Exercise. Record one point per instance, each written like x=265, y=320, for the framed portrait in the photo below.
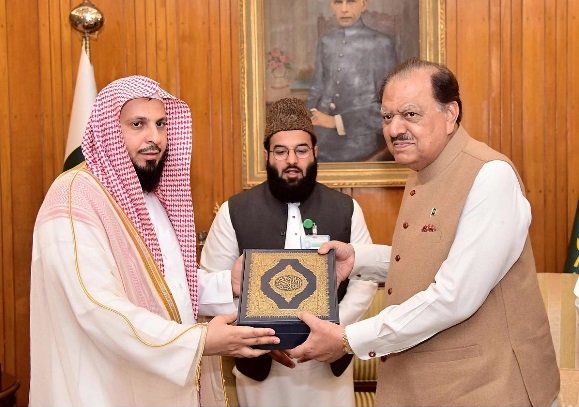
x=335, y=61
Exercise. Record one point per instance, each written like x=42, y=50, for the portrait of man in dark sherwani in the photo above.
x=351, y=62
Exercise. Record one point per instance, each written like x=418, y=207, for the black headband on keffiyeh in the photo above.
x=107, y=158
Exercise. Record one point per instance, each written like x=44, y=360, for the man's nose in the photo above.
x=396, y=126
x=154, y=135
x=292, y=157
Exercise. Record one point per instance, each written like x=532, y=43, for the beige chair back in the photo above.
x=557, y=291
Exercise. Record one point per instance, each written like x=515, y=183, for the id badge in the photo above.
x=313, y=241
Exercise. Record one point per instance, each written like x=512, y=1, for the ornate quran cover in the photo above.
x=277, y=284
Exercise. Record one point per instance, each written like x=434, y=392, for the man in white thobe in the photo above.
x=114, y=290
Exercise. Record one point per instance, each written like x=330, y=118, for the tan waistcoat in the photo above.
x=502, y=355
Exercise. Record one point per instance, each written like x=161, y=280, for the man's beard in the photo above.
x=297, y=191
x=150, y=174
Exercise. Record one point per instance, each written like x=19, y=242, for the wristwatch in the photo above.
x=345, y=344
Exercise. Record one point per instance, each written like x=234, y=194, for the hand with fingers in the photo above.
x=344, y=257
x=323, y=119
x=230, y=340
x=324, y=342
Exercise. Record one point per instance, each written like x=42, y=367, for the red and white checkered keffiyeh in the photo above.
x=107, y=158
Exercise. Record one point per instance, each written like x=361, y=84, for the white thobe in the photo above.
x=311, y=383
x=175, y=267
x=91, y=345
x=172, y=258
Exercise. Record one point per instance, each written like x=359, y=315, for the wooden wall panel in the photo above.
x=570, y=85
x=380, y=207
x=533, y=112
x=517, y=98
x=517, y=62
x=559, y=116
x=26, y=158
x=6, y=276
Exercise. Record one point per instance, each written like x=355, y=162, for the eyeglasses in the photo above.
x=282, y=153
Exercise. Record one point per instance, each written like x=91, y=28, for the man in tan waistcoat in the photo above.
x=464, y=322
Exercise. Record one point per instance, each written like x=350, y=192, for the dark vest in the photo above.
x=260, y=222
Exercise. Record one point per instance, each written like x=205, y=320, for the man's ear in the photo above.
x=451, y=115
x=316, y=151
x=265, y=155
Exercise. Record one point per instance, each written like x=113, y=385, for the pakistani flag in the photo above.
x=84, y=96
x=572, y=263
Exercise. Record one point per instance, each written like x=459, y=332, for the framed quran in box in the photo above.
x=278, y=284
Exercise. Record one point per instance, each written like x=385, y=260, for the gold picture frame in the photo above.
x=254, y=85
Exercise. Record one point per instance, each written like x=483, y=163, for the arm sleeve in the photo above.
x=490, y=237
x=371, y=263
x=360, y=293
x=217, y=258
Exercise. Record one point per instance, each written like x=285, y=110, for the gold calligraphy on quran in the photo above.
x=288, y=283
